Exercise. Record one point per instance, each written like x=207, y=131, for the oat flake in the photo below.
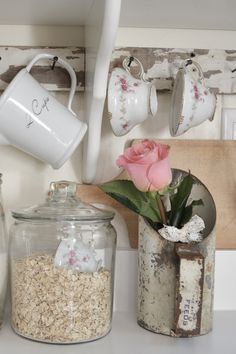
x=58, y=305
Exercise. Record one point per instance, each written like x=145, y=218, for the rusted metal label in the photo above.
x=189, y=291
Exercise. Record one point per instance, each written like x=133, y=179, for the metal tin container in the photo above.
x=176, y=280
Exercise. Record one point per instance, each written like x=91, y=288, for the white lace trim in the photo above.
x=190, y=232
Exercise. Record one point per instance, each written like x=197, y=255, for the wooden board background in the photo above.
x=92, y=194
x=214, y=163
x=13, y=59
x=161, y=65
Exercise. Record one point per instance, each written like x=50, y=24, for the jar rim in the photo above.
x=64, y=204
x=41, y=214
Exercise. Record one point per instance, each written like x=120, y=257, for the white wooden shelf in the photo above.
x=44, y=12
x=192, y=14
x=127, y=337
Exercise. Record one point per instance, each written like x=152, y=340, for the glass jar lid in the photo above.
x=61, y=204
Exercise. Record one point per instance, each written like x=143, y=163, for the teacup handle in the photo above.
x=126, y=65
x=198, y=67
x=66, y=66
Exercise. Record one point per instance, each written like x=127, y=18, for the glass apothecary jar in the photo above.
x=3, y=257
x=62, y=257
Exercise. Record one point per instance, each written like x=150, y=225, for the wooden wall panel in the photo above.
x=214, y=163
x=13, y=59
x=92, y=194
x=162, y=64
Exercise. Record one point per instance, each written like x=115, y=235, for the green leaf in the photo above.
x=149, y=211
x=127, y=194
x=188, y=211
x=126, y=202
x=179, y=200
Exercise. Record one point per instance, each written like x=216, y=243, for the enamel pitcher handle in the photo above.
x=66, y=66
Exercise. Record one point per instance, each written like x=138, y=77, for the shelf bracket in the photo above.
x=100, y=34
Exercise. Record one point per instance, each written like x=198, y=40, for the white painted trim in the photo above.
x=15, y=35
x=175, y=38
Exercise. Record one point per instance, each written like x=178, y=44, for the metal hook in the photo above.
x=130, y=61
x=55, y=59
x=188, y=62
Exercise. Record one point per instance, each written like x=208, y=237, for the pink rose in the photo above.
x=147, y=165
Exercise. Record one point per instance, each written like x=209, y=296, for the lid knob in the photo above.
x=62, y=190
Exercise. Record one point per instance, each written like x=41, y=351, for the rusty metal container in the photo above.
x=176, y=280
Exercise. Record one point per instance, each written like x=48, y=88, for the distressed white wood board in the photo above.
x=161, y=65
x=13, y=59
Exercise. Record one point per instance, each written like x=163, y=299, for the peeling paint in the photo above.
x=161, y=281
x=189, y=291
x=208, y=280
x=13, y=59
x=161, y=65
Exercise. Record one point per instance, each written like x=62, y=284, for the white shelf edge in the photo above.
x=127, y=337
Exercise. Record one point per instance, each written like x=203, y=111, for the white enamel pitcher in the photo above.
x=32, y=120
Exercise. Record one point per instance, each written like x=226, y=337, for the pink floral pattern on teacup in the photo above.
x=130, y=100
x=124, y=84
x=74, y=254
x=192, y=101
x=198, y=96
x=124, y=87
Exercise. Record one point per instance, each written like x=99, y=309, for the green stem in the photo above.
x=161, y=209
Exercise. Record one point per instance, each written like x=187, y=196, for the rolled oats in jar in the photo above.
x=62, y=267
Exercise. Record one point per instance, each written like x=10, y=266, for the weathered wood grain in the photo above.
x=13, y=59
x=92, y=194
x=161, y=65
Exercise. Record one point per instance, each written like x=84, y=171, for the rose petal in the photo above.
x=122, y=161
x=147, y=165
x=138, y=174
x=159, y=175
x=163, y=151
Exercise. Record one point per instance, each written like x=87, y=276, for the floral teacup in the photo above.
x=130, y=100
x=192, y=102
